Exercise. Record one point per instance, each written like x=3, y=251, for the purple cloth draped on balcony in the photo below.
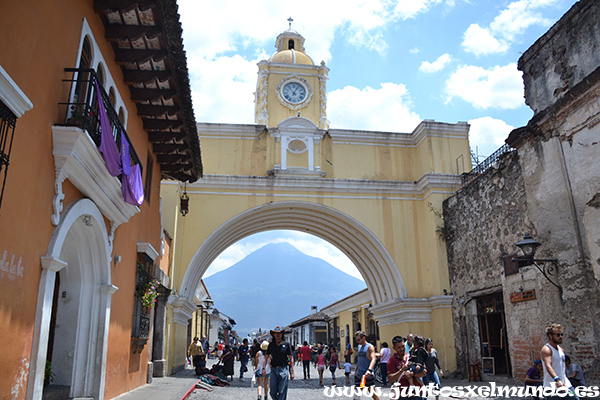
x=125, y=157
x=108, y=147
x=132, y=187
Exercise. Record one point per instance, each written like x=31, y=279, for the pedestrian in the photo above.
x=399, y=371
x=215, y=350
x=305, y=354
x=205, y=345
x=347, y=370
x=255, y=348
x=314, y=350
x=195, y=351
x=533, y=377
x=243, y=352
x=553, y=360
x=259, y=364
x=227, y=358
x=348, y=353
x=279, y=356
x=320, y=365
x=334, y=363
x=386, y=353
x=431, y=362
x=221, y=347
x=298, y=354
x=409, y=343
x=574, y=373
x=365, y=361
x=417, y=357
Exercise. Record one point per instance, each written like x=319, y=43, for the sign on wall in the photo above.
x=517, y=297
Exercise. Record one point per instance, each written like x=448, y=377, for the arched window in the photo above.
x=112, y=97
x=122, y=116
x=291, y=44
x=101, y=74
x=81, y=85
x=86, y=54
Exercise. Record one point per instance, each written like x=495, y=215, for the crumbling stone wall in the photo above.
x=563, y=57
x=554, y=178
x=484, y=220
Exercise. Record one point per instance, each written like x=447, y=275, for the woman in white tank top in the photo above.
x=259, y=360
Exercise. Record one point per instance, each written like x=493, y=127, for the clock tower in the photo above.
x=290, y=100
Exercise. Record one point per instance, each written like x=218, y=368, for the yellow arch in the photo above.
x=363, y=248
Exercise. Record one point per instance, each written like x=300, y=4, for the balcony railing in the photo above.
x=83, y=112
x=483, y=166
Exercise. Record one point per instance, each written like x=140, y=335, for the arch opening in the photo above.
x=362, y=247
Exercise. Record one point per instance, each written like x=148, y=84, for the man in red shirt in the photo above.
x=305, y=354
x=398, y=370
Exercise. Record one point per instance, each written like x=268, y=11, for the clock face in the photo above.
x=294, y=92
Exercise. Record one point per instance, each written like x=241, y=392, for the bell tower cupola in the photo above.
x=289, y=84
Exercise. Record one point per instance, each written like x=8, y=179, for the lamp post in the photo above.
x=547, y=266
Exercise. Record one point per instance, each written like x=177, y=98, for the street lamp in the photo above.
x=184, y=202
x=547, y=266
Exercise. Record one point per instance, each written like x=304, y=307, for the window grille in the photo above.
x=8, y=120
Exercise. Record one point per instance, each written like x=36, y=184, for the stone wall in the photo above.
x=563, y=57
x=548, y=187
x=484, y=220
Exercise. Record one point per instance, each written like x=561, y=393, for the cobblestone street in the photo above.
x=301, y=389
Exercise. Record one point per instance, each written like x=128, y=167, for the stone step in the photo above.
x=56, y=392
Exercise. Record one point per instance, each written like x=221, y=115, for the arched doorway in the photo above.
x=74, y=297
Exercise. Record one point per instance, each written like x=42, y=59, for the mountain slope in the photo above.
x=276, y=285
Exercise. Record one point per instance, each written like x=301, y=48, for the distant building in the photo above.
x=349, y=315
x=312, y=328
x=221, y=327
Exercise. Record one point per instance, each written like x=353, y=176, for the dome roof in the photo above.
x=291, y=57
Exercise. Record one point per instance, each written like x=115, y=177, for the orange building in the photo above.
x=82, y=248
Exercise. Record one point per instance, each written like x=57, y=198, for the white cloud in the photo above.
x=498, y=87
x=511, y=23
x=414, y=50
x=487, y=134
x=224, y=84
x=480, y=41
x=385, y=109
x=437, y=65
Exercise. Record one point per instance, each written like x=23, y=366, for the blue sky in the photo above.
x=392, y=63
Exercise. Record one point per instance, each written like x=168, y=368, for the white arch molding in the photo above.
x=364, y=249
x=79, y=246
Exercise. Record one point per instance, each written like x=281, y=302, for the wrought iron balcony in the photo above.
x=83, y=112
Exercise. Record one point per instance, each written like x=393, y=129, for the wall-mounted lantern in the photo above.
x=547, y=266
x=184, y=202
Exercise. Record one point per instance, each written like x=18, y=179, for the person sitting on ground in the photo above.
x=196, y=351
x=534, y=374
x=227, y=358
x=574, y=373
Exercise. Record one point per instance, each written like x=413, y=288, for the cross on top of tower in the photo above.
x=290, y=20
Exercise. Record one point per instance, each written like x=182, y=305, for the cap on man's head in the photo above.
x=537, y=362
